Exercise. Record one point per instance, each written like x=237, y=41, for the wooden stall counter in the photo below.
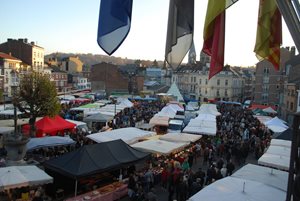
x=110, y=192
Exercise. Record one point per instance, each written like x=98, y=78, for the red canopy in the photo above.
x=51, y=126
x=258, y=106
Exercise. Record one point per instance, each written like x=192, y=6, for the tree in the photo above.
x=36, y=96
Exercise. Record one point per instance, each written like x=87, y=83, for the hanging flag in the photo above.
x=180, y=31
x=269, y=33
x=214, y=34
x=114, y=24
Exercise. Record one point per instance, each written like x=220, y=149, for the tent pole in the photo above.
x=75, y=188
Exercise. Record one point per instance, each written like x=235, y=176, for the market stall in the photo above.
x=20, y=176
x=269, y=176
x=232, y=188
x=50, y=126
x=275, y=161
x=281, y=143
x=180, y=137
x=52, y=141
x=91, y=160
x=129, y=135
x=161, y=147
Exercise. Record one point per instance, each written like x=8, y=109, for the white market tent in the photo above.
x=52, y=141
x=275, y=161
x=203, y=124
x=200, y=130
x=269, y=110
x=175, y=106
x=129, y=135
x=174, y=91
x=282, y=143
x=167, y=111
x=159, y=146
x=124, y=102
x=271, y=177
x=280, y=151
x=20, y=176
x=180, y=137
x=262, y=119
x=231, y=188
x=276, y=125
x=159, y=120
x=208, y=109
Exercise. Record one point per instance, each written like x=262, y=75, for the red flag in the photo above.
x=214, y=45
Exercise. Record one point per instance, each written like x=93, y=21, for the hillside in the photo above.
x=90, y=59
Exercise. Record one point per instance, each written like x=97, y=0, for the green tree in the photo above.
x=36, y=96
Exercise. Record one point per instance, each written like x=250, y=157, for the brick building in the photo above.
x=110, y=78
x=29, y=53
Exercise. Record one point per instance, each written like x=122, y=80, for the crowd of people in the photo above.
x=238, y=135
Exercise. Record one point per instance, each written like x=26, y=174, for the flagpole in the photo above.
x=290, y=17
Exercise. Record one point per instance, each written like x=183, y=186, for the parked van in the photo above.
x=175, y=126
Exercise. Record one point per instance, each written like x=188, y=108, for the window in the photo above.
x=218, y=92
x=199, y=81
x=292, y=106
x=226, y=82
x=226, y=93
x=205, y=91
x=218, y=82
x=206, y=81
x=266, y=70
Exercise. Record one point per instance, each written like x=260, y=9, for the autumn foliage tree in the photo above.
x=36, y=96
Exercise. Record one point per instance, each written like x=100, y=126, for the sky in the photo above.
x=71, y=26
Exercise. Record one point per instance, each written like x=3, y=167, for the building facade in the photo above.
x=193, y=83
x=71, y=65
x=269, y=82
x=29, y=53
x=109, y=77
x=9, y=69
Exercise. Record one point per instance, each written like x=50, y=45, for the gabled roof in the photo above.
x=175, y=92
x=7, y=56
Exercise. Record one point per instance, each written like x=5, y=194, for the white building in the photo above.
x=9, y=67
x=193, y=83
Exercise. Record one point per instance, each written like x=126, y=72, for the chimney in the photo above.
x=25, y=40
x=32, y=43
x=20, y=39
x=9, y=39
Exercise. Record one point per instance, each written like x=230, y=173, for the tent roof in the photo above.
x=57, y=123
x=52, y=141
x=91, y=159
x=21, y=176
x=275, y=161
x=173, y=90
x=282, y=143
x=129, y=135
x=159, y=120
x=180, y=137
x=159, y=146
x=98, y=118
x=269, y=110
x=265, y=175
x=278, y=150
x=231, y=188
